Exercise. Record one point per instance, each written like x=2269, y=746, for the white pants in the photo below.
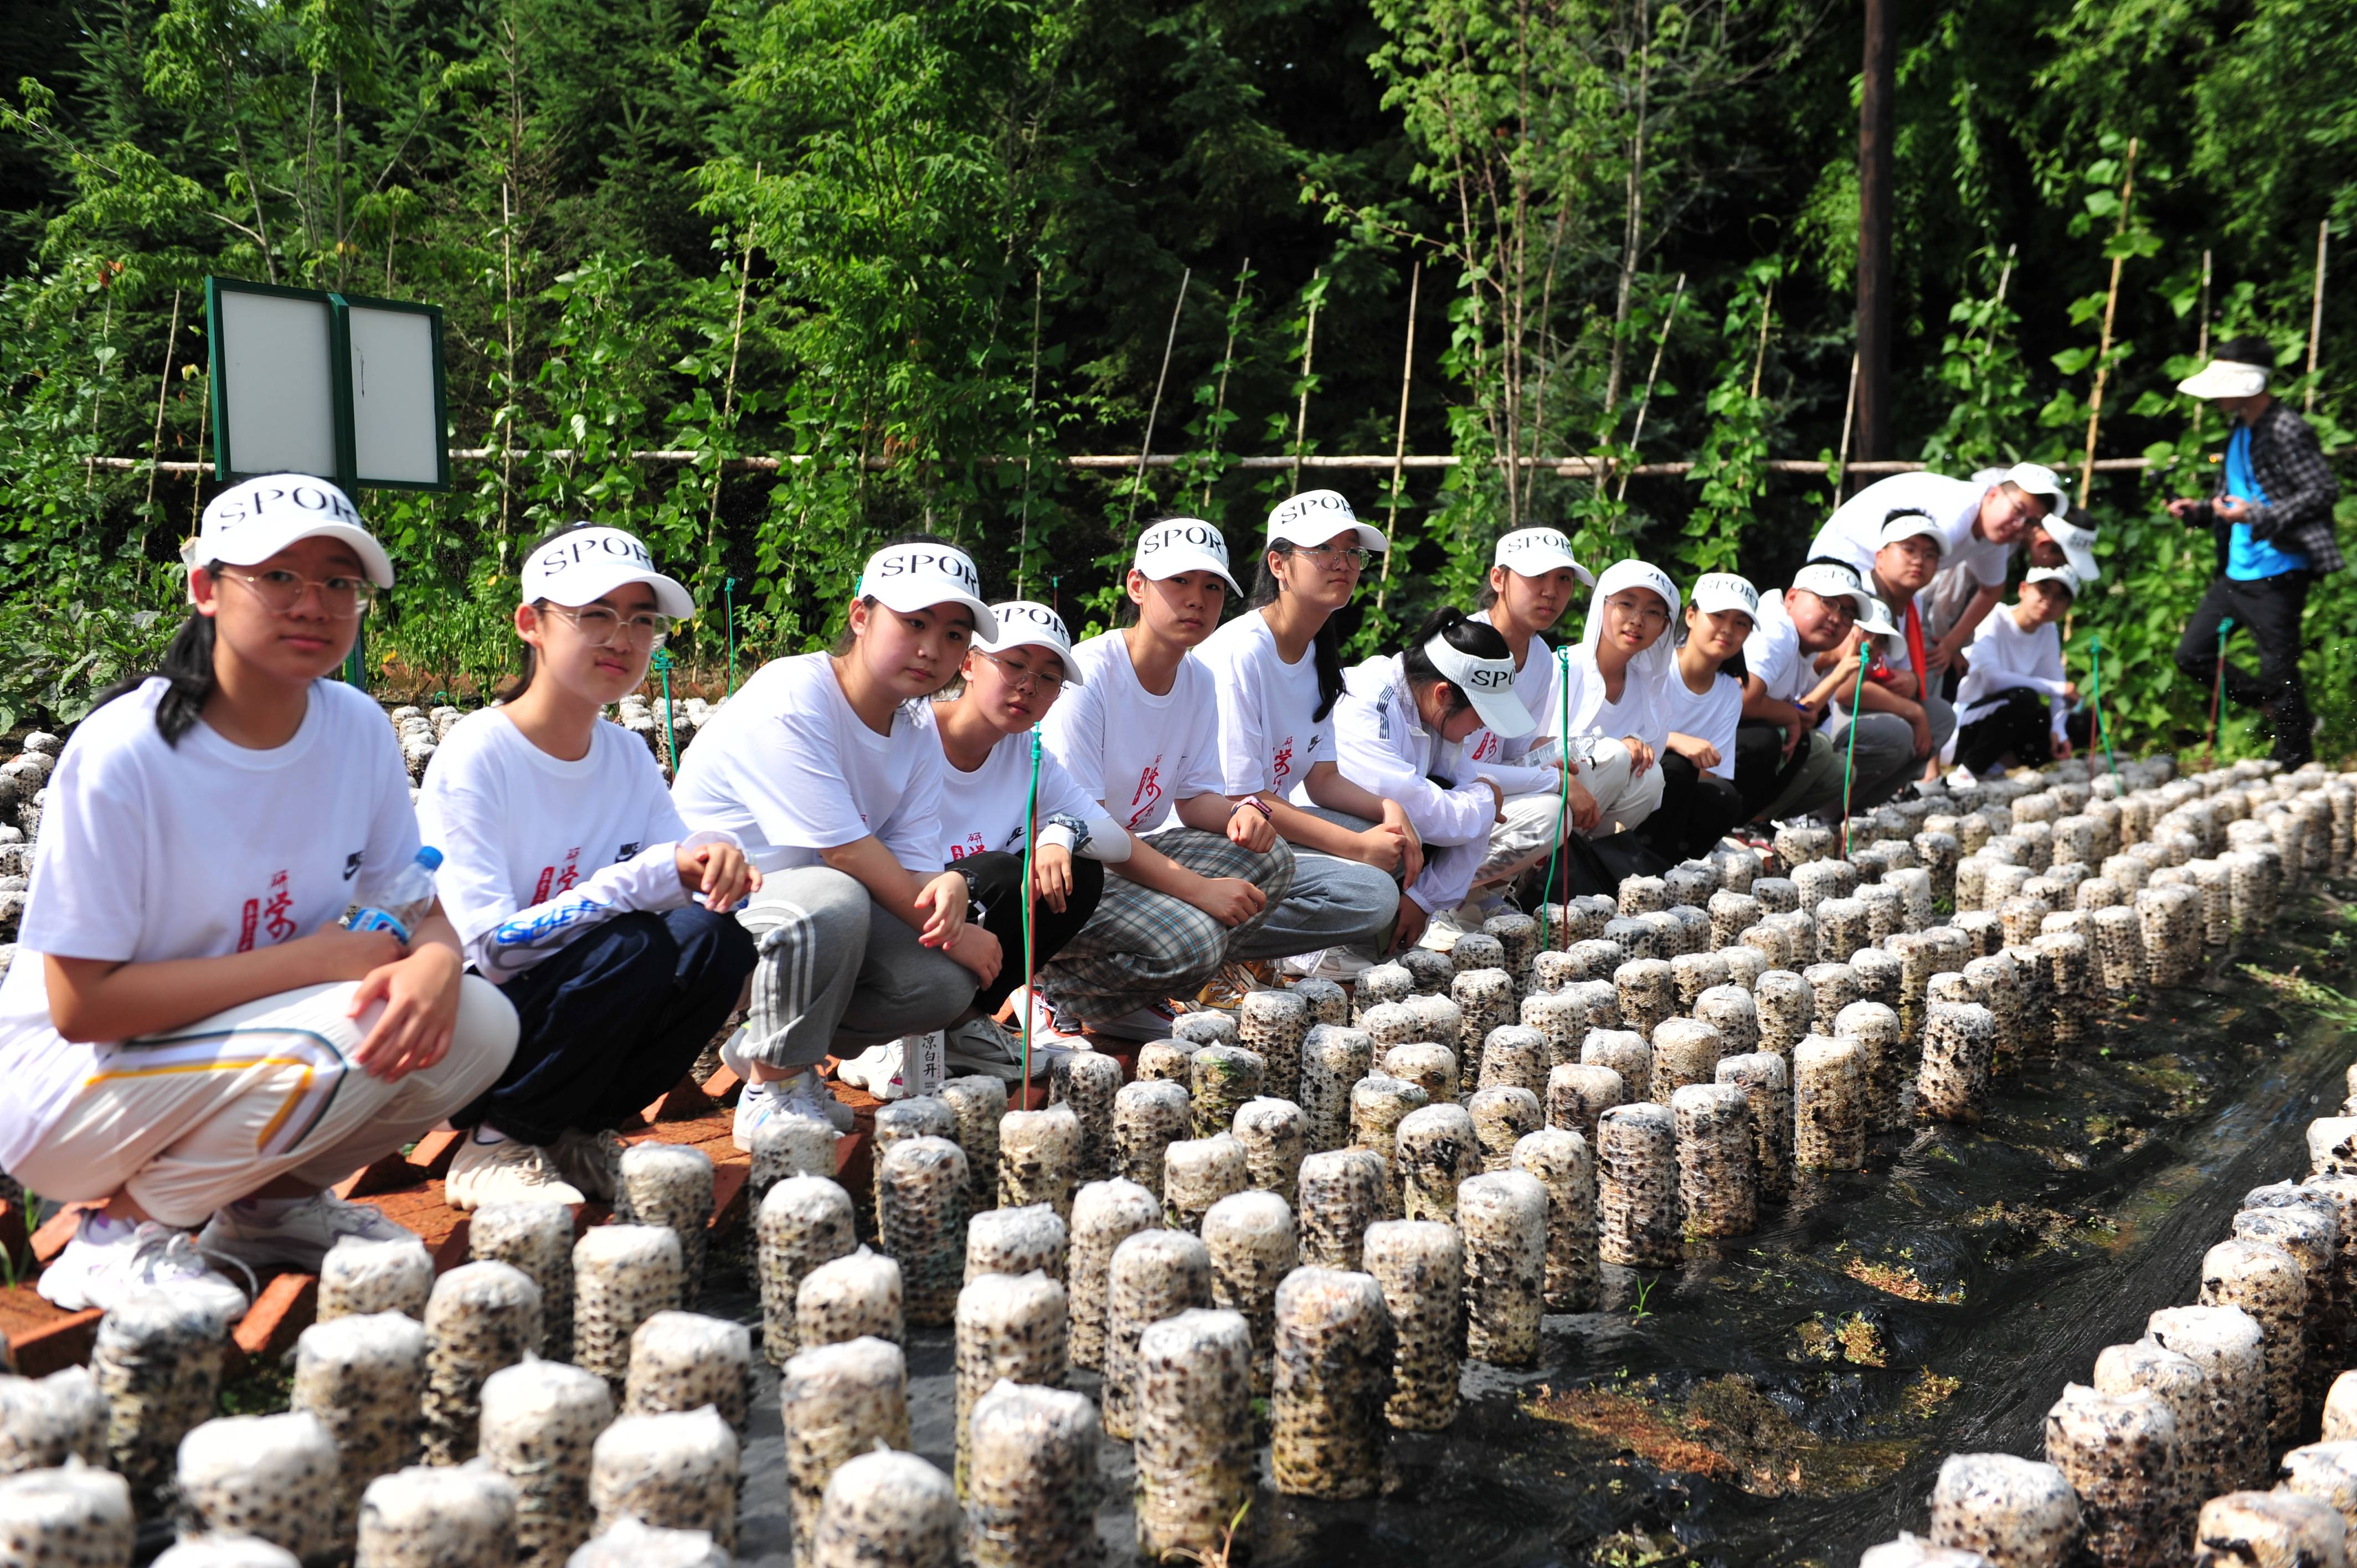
x=1528, y=832
x=187, y=1121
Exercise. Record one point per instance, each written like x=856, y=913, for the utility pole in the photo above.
x=1877, y=130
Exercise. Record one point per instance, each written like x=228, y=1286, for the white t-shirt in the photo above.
x=1638, y=711
x=1386, y=748
x=786, y=764
x=1138, y=752
x=1773, y=652
x=536, y=850
x=151, y=851
x=983, y=811
x=1854, y=532
x=1534, y=684
x=1710, y=716
x=2004, y=657
x=1268, y=739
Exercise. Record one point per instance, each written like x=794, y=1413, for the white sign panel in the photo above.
x=277, y=386
x=396, y=425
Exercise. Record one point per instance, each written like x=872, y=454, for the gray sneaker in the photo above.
x=590, y=1160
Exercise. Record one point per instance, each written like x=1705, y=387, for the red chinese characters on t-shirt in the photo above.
x=972, y=845
x=558, y=879
x=268, y=915
x=1148, y=799
x=1282, y=766
x=1486, y=749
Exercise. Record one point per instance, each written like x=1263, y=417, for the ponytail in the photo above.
x=1325, y=648
x=186, y=670
x=1465, y=635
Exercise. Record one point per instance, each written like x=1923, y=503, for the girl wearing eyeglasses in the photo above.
x=1278, y=672
x=188, y=1035
x=574, y=884
x=1702, y=704
x=1614, y=707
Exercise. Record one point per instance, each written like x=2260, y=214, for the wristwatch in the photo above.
x=1258, y=804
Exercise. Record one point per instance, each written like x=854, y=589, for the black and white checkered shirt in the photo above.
x=2288, y=462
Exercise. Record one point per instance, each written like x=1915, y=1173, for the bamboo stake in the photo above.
x=1227, y=362
x=1399, y=439
x=1849, y=419
x=197, y=468
x=1185, y=276
x=1030, y=434
x=728, y=389
x=1308, y=344
x=2103, y=343
x=2202, y=353
x=507, y=414
x=2316, y=317
x=1652, y=371
x=163, y=393
x=1759, y=355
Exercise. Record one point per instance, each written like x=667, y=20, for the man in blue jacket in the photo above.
x=2272, y=515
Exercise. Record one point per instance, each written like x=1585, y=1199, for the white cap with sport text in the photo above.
x=584, y=565
x=1028, y=623
x=1183, y=544
x=1910, y=523
x=1314, y=517
x=2038, y=479
x=918, y=575
x=1488, y=684
x=1838, y=580
x=2061, y=574
x=255, y=519
x=2077, y=542
x=1536, y=552
x=1717, y=591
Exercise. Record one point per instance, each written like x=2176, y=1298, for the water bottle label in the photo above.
x=377, y=920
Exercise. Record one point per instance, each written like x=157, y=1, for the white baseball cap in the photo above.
x=1028, y=623
x=1183, y=544
x=1910, y=524
x=2062, y=574
x=2227, y=378
x=1716, y=591
x=1535, y=552
x=1313, y=517
x=1839, y=580
x=2077, y=542
x=2038, y=479
x=918, y=575
x=255, y=519
x=1488, y=684
x=582, y=565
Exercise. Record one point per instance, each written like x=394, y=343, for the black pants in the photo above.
x=2020, y=725
x=2269, y=608
x=1763, y=771
x=1696, y=812
x=611, y=1021
x=996, y=880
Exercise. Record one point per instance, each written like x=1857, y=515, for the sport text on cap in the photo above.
x=1488, y=684
x=1027, y=623
x=918, y=575
x=1717, y=591
x=2077, y=542
x=1183, y=544
x=1535, y=552
x=255, y=519
x=583, y=565
x=1313, y=517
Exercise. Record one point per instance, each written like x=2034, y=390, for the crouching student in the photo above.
x=1614, y=706
x=1805, y=649
x=1400, y=730
x=1011, y=681
x=188, y=1035
x=826, y=764
x=1138, y=733
x=574, y=884
x=1278, y=671
x=2015, y=699
x=1702, y=703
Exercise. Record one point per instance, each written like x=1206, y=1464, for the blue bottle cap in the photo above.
x=430, y=858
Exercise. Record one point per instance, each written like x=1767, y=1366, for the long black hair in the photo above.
x=187, y=672
x=518, y=685
x=1734, y=664
x=1468, y=636
x=1326, y=647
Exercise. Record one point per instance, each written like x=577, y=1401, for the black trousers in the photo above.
x=996, y=881
x=2020, y=725
x=1697, y=810
x=1763, y=771
x=611, y=1021
x=2269, y=608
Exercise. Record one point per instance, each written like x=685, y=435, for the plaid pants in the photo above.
x=1142, y=947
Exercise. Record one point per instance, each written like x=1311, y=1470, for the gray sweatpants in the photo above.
x=1886, y=751
x=1335, y=903
x=838, y=970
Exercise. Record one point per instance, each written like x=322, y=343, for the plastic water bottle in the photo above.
x=405, y=900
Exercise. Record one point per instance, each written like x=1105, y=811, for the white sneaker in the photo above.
x=1152, y=1022
x=805, y=1094
x=883, y=1078
x=505, y=1172
x=109, y=1260
x=294, y=1235
x=870, y=1066
x=1050, y=1023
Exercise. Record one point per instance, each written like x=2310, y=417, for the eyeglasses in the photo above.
x=1642, y=613
x=602, y=627
x=1024, y=682
x=340, y=598
x=1348, y=554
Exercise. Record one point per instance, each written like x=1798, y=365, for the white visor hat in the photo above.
x=2038, y=479
x=1716, y=591
x=1837, y=580
x=2226, y=378
x=584, y=565
x=1489, y=684
x=1313, y=517
x=1183, y=544
x=255, y=519
x=916, y=577
x=1912, y=524
x=2077, y=542
x=1536, y=552
x=2062, y=574
x=1027, y=623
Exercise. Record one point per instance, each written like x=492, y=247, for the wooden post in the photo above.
x=1399, y=438
x=1227, y=361
x=728, y=389
x=1621, y=490
x=2316, y=316
x=1308, y=344
x=1877, y=132
x=2104, y=341
x=1759, y=355
x=163, y=393
x=1186, y=275
x=1030, y=435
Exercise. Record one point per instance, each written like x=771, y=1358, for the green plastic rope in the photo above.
x=1030, y=837
x=663, y=663
x=1849, y=762
x=728, y=592
x=1563, y=799
x=2095, y=696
